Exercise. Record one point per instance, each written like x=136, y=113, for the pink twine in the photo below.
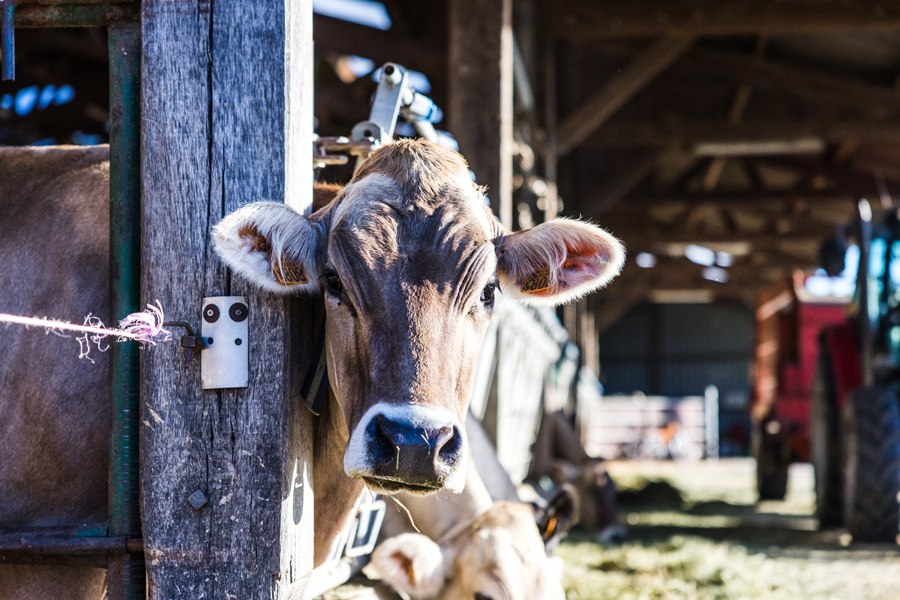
x=142, y=327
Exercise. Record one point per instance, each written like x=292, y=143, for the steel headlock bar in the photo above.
x=8, y=37
x=118, y=545
x=393, y=98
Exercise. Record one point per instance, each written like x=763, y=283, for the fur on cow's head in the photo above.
x=409, y=260
x=500, y=555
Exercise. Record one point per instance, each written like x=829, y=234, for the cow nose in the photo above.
x=413, y=454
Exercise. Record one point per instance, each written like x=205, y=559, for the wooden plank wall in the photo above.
x=227, y=120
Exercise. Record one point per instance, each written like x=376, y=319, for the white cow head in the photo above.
x=500, y=556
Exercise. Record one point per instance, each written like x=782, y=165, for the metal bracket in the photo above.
x=225, y=361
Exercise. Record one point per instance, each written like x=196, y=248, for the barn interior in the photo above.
x=727, y=143
x=748, y=129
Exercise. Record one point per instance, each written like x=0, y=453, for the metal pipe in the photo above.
x=77, y=2
x=40, y=544
x=74, y=15
x=126, y=571
x=8, y=36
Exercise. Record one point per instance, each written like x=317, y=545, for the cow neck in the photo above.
x=335, y=493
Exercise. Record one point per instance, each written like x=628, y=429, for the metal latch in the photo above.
x=190, y=341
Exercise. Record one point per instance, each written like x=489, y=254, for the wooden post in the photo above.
x=481, y=94
x=226, y=120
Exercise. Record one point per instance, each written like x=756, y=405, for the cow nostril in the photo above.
x=447, y=442
x=387, y=442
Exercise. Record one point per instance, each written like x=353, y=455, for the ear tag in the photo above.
x=406, y=564
x=289, y=272
x=551, y=527
x=537, y=282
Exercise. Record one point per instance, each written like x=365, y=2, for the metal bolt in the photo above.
x=198, y=499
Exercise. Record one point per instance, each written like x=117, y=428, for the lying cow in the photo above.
x=471, y=545
x=408, y=259
x=560, y=456
x=499, y=555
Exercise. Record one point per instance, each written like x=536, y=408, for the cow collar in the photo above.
x=314, y=390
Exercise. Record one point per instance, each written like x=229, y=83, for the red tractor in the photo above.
x=827, y=388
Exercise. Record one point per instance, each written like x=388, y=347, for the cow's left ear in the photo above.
x=557, y=261
x=555, y=519
x=413, y=564
x=273, y=246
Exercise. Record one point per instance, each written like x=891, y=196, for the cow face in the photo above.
x=500, y=556
x=410, y=260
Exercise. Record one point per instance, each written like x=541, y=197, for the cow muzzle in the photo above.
x=408, y=448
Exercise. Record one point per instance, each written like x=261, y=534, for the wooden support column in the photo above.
x=227, y=120
x=481, y=94
x=551, y=143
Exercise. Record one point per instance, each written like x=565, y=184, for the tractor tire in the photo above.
x=871, y=435
x=825, y=445
x=772, y=463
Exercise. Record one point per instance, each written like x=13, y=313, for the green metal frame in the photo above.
x=119, y=546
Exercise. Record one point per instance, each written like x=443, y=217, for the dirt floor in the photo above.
x=697, y=532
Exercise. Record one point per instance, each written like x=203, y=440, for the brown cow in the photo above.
x=409, y=260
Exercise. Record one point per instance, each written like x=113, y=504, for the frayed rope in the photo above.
x=143, y=327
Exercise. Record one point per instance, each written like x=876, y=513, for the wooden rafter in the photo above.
x=688, y=132
x=609, y=196
x=816, y=83
x=646, y=18
x=620, y=90
x=651, y=237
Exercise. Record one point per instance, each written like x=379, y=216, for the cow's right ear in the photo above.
x=273, y=246
x=413, y=564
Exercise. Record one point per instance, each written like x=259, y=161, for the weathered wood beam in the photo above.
x=646, y=18
x=226, y=120
x=620, y=90
x=685, y=133
x=344, y=37
x=655, y=239
x=481, y=94
x=819, y=84
x=752, y=200
x=610, y=195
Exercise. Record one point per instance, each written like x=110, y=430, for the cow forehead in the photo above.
x=377, y=222
x=367, y=197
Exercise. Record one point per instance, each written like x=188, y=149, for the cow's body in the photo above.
x=54, y=408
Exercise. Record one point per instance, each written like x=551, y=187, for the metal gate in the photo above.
x=117, y=544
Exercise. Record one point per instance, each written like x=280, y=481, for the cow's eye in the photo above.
x=487, y=295
x=482, y=597
x=334, y=285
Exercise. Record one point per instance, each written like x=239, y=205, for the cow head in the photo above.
x=409, y=260
x=500, y=556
